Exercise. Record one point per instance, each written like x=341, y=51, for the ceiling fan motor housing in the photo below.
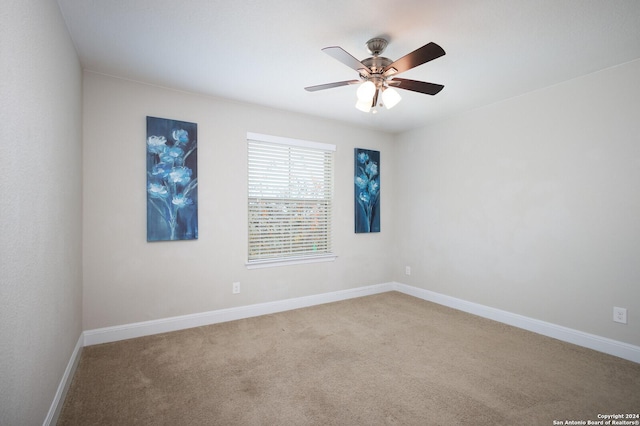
x=377, y=64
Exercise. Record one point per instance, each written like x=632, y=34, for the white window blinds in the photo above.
x=290, y=196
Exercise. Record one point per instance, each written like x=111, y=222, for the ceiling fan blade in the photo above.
x=343, y=56
x=426, y=53
x=331, y=85
x=416, y=86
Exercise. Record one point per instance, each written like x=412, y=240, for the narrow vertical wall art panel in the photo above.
x=367, y=190
x=172, y=180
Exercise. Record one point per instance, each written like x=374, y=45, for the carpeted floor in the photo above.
x=387, y=359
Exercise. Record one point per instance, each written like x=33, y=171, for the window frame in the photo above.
x=290, y=259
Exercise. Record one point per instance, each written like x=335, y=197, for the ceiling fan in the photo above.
x=378, y=74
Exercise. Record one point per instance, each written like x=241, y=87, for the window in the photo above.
x=290, y=196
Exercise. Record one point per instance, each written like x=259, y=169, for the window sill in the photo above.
x=272, y=263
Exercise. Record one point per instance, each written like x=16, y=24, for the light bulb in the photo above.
x=390, y=97
x=364, y=106
x=366, y=91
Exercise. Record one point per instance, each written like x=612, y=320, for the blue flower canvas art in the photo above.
x=367, y=190
x=172, y=180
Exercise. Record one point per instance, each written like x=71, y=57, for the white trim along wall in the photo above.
x=147, y=328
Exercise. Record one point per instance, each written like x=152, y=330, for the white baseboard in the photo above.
x=147, y=328
x=129, y=331
x=591, y=341
x=63, y=387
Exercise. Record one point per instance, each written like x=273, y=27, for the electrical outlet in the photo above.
x=620, y=315
x=236, y=288
x=407, y=270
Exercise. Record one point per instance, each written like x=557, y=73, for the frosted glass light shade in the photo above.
x=364, y=106
x=390, y=98
x=366, y=91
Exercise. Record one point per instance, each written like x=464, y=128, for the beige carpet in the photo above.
x=388, y=359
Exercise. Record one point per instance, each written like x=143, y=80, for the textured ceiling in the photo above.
x=267, y=51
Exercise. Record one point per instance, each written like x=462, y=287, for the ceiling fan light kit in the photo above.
x=390, y=97
x=378, y=74
x=366, y=91
x=364, y=106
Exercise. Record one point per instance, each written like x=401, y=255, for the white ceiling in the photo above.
x=267, y=51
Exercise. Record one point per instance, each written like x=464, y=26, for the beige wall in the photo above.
x=531, y=205
x=41, y=189
x=528, y=205
x=128, y=280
